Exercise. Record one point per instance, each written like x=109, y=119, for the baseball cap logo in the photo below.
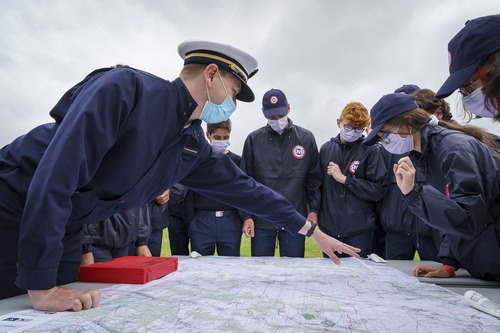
x=273, y=100
x=449, y=59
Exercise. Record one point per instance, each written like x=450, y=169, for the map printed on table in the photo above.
x=270, y=294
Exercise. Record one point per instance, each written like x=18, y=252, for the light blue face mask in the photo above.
x=215, y=113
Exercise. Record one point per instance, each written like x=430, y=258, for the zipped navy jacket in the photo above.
x=287, y=163
x=461, y=199
x=350, y=208
x=393, y=210
x=119, y=140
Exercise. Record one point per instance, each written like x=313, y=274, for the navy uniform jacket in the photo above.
x=117, y=143
x=194, y=201
x=350, y=208
x=461, y=199
x=287, y=163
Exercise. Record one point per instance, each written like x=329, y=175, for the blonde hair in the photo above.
x=356, y=115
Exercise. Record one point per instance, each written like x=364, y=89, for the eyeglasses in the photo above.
x=385, y=136
x=469, y=87
x=349, y=128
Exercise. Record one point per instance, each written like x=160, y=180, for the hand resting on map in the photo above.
x=64, y=299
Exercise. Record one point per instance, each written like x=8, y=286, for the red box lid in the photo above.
x=129, y=269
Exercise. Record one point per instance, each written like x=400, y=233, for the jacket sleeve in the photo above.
x=463, y=212
x=371, y=186
x=158, y=215
x=222, y=180
x=313, y=181
x=70, y=161
x=144, y=225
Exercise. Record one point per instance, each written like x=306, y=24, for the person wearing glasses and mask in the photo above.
x=474, y=56
x=120, y=138
x=352, y=181
x=461, y=195
x=284, y=157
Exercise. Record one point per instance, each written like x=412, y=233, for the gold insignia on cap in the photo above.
x=235, y=68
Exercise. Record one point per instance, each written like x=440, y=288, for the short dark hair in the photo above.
x=226, y=124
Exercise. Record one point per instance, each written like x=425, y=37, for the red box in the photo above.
x=129, y=269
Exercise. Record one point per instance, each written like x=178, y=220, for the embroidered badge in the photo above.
x=273, y=100
x=298, y=152
x=353, y=166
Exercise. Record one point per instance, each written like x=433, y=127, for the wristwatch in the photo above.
x=311, y=229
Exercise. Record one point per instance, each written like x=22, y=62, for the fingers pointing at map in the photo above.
x=331, y=245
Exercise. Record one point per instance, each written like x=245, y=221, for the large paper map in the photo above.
x=271, y=294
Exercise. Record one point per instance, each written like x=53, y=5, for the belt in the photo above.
x=217, y=213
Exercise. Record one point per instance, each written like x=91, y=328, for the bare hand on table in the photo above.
x=430, y=271
x=63, y=299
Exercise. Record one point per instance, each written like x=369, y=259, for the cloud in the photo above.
x=323, y=54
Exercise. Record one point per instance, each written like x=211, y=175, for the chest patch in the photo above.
x=353, y=166
x=298, y=152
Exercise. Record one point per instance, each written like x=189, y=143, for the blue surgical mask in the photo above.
x=279, y=124
x=395, y=144
x=215, y=113
x=219, y=146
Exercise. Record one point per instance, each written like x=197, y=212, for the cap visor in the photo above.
x=372, y=137
x=246, y=94
x=276, y=111
x=456, y=80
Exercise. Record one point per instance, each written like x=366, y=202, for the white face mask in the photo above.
x=349, y=136
x=395, y=144
x=475, y=104
x=278, y=125
x=219, y=146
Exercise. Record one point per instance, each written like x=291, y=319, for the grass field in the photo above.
x=312, y=250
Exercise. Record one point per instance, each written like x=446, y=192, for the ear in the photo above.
x=210, y=72
x=208, y=135
x=439, y=113
x=338, y=122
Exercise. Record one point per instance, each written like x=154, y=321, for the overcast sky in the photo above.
x=322, y=53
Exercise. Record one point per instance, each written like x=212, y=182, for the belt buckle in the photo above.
x=219, y=213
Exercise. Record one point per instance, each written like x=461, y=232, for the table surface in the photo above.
x=458, y=284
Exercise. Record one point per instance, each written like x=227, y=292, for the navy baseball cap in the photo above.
x=388, y=107
x=235, y=61
x=473, y=44
x=274, y=103
x=407, y=89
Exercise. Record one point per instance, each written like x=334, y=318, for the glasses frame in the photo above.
x=385, y=136
x=467, y=88
x=349, y=128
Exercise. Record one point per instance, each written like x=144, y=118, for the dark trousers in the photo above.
x=212, y=230
x=178, y=236
x=155, y=241
x=10, y=220
x=264, y=243
x=362, y=240
x=402, y=246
